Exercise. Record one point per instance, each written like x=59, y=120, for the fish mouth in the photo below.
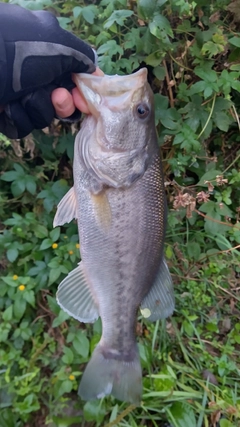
x=112, y=91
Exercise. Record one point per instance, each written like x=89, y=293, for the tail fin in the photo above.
x=105, y=376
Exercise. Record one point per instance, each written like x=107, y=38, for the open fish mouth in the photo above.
x=112, y=91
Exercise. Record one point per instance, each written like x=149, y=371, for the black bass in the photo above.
x=118, y=199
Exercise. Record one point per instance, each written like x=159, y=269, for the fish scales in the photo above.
x=119, y=200
x=133, y=229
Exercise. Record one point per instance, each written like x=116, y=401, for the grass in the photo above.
x=190, y=362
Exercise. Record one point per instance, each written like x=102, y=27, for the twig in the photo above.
x=168, y=85
x=129, y=409
x=229, y=293
x=216, y=220
x=38, y=351
x=234, y=161
x=209, y=117
x=178, y=63
x=236, y=115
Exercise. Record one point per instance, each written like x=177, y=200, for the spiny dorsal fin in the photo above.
x=75, y=297
x=66, y=209
x=159, y=302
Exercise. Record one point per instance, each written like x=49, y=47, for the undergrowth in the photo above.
x=190, y=362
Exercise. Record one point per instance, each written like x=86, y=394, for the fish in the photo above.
x=118, y=199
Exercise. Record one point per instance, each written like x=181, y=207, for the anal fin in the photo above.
x=66, y=209
x=159, y=302
x=75, y=297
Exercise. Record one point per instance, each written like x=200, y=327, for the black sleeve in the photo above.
x=36, y=56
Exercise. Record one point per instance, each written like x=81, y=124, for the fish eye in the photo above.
x=143, y=111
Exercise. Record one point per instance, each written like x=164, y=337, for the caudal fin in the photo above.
x=103, y=376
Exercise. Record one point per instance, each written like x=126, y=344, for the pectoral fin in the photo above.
x=102, y=209
x=66, y=209
x=75, y=297
x=159, y=302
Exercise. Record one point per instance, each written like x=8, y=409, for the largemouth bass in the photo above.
x=118, y=199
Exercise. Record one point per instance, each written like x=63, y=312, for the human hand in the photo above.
x=65, y=102
x=37, y=58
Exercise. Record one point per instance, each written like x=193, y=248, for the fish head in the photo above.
x=123, y=109
x=117, y=139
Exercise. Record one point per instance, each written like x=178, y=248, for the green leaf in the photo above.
x=7, y=418
x=209, y=176
x=111, y=48
x=226, y=423
x=77, y=10
x=40, y=231
x=19, y=307
x=236, y=85
x=46, y=243
x=12, y=254
x=223, y=121
x=163, y=380
x=208, y=207
x=211, y=49
x=81, y=344
x=29, y=296
x=182, y=415
x=118, y=16
x=66, y=144
x=160, y=27
x=34, y=271
x=7, y=314
x=54, y=275
x=207, y=75
x=154, y=59
x=55, y=233
x=68, y=356
x=211, y=226
x=31, y=186
x=94, y=411
x=88, y=13
x=159, y=72
x=9, y=176
x=146, y=8
x=67, y=421
x=60, y=319
x=194, y=250
x=65, y=387
x=53, y=305
x=18, y=187
x=161, y=103
x=235, y=41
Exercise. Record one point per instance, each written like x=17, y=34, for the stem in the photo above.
x=130, y=408
x=237, y=158
x=179, y=63
x=168, y=85
x=215, y=220
x=209, y=117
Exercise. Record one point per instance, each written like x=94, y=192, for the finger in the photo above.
x=63, y=102
x=79, y=101
x=98, y=72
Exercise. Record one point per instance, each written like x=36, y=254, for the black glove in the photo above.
x=36, y=56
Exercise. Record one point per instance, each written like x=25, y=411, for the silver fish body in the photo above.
x=119, y=200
